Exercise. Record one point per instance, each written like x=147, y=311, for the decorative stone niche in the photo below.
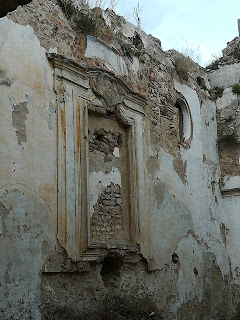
x=100, y=161
x=184, y=122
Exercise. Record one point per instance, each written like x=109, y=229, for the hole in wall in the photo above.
x=201, y=83
x=99, y=136
x=175, y=258
x=111, y=270
x=195, y=271
x=109, y=113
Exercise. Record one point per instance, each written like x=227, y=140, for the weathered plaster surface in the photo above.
x=231, y=205
x=28, y=170
x=225, y=76
x=25, y=245
x=228, y=148
x=112, y=60
x=192, y=203
x=27, y=113
x=231, y=182
x=174, y=246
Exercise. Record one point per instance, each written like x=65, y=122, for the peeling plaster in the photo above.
x=177, y=221
x=167, y=211
x=180, y=167
x=19, y=117
x=3, y=215
x=4, y=81
x=22, y=251
x=190, y=252
x=96, y=49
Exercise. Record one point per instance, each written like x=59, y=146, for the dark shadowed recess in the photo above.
x=10, y=5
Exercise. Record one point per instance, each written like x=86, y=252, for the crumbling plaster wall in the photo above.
x=194, y=202
x=228, y=122
x=226, y=76
x=28, y=169
x=182, y=269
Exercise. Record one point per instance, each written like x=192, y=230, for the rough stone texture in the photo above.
x=25, y=246
x=28, y=200
x=228, y=119
x=105, y=142
x=122, y=290
x=108, y=174
x=229, y=150
x=231, y=53
x=183, y=262
x=230, y=56
x=107, y=219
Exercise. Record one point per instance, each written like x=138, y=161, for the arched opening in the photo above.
x=184, y=122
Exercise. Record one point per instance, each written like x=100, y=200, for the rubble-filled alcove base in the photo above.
x=123, y=288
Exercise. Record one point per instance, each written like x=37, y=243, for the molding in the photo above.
x=230, y=192
x=64, y=65
x=74, y=97
x=230, y=186
x=187, y=121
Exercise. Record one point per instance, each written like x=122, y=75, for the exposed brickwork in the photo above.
x=107, y=220
x=105, y=141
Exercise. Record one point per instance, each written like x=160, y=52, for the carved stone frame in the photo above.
x=74, y=96
x=187, y=121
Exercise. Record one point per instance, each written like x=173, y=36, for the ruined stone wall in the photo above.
x=226, y=78
x=108, y=209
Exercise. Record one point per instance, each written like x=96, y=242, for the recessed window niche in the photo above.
x=184, y=122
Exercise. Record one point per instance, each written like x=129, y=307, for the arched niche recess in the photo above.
x=185, y=127
x=100, y=161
